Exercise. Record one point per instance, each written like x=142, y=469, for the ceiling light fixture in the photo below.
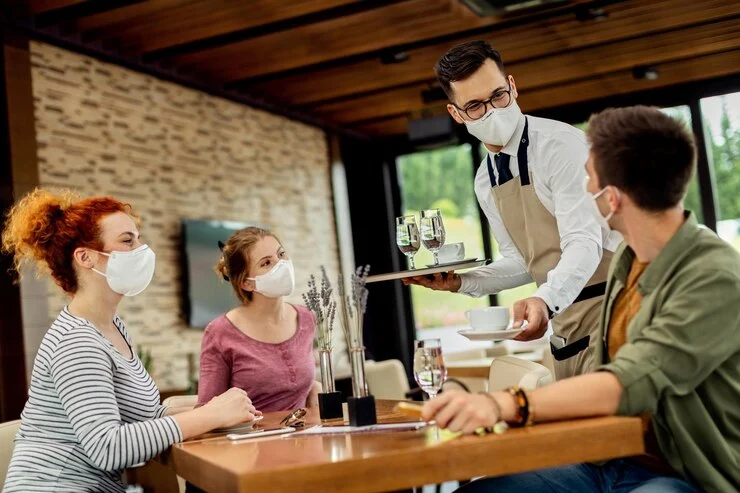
x=484, y=8
x=585, y=14
x=645, y=73
x=392, y=57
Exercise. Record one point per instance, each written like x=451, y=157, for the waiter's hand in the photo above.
x=534, y=311
x=447, y=282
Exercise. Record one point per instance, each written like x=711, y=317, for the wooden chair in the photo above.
x=387, y=380
x=508, y=371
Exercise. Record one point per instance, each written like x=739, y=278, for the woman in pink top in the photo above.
x=265, y=346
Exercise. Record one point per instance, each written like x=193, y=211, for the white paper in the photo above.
x=326, y=430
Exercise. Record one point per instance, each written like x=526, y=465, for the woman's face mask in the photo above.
x=129, y=273
x=278, y=282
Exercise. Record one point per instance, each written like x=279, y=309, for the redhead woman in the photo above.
x=265, y=345
x=92, y=408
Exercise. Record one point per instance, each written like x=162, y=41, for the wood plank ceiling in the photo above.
x=328, y=59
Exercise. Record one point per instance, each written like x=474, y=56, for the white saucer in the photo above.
x=453, y=263
x=240, y=427
x=490, y=335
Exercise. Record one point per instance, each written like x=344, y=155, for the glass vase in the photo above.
x=327, y=374
x=357, y=360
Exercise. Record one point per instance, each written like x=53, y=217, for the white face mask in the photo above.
x=279, y=281
x=594, y=207
x=129, y=273
x=497, y=126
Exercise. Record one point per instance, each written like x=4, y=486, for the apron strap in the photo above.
x=521, y=155
x=592, y=291
x=570, y=350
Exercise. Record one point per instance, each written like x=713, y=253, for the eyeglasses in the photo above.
x=295, y=419
x=476, y=109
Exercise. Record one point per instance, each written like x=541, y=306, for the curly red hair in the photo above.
x=45, y=228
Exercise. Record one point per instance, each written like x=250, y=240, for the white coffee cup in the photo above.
x=489, y=318
x=451, y=252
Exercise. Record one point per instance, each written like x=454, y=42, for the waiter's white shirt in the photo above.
x=556, y=157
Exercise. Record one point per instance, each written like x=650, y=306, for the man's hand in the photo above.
x=448, y=282
x=534, y=311
x=460, y=411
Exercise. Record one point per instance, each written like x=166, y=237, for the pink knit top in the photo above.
x=277, y=377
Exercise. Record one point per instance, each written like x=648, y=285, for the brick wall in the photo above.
x=176, y=153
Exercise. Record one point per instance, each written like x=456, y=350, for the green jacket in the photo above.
x=681, y=361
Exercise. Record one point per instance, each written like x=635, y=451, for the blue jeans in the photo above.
x=616, y=476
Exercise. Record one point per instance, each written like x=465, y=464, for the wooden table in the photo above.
x=372, y=462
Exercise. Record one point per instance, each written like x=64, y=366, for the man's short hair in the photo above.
x=461, y=61
x=643, y=152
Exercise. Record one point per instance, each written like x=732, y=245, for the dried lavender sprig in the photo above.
x=354, y=305
x=346, y=312
x=319, y=300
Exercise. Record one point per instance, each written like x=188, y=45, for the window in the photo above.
x=693, y=200
x=443, y=179
x=721, y=116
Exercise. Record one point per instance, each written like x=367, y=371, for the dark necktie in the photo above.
x=502, y=167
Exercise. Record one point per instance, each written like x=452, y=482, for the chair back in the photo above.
x=181, y=401
x=508, y=371
x=387, y=379
x=7, y=438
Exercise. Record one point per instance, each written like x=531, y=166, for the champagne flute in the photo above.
x=430, y=371
x=432, y=232
x=407, y=237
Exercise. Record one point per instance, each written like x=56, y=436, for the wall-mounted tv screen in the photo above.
x=206, y=296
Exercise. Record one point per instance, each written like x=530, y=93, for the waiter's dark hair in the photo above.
x=643, y=152
x=461, y=61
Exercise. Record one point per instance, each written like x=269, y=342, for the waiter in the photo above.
x=531, y=188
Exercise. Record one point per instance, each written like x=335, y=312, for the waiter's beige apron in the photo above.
x=534, y=231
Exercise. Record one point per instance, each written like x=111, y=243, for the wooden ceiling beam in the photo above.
x=677, y=72
x=79, y=9
x=174, y=30
x=106, y=24
x=235, y=36
x=621, y=83
x=393, y=126
x=409, y=22
x=625, y=20
x=39, y=6
x=561, y=69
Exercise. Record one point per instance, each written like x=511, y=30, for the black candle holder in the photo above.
x=330, y=405
x=361, y=411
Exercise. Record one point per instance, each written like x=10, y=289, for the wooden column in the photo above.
x=18, y=174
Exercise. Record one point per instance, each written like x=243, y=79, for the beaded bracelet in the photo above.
x=522, y=404
x=530, y=408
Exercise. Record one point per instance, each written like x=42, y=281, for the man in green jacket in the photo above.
x=670, y=329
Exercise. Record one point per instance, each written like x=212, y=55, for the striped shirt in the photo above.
x=90, y=414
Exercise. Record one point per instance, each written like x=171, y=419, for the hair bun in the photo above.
x=221, y=269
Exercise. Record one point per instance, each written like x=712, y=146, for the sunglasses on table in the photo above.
x=296, y=419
